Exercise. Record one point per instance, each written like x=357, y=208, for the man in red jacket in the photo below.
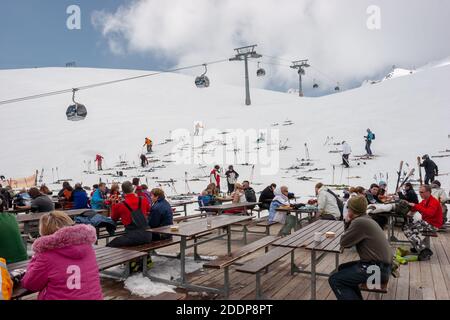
x=134, y=234
x=430, y=208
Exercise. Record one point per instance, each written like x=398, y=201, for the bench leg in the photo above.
x=313, y=274
x=196, y=256
x=337, y=261
x=182, y=259
x=266, y=249
x=229, y=239
x=426, y=242
x=144, y=266
x=258, y=287
x=126, y=273
x=245, y=234
x=267, y=230
x=226, y=286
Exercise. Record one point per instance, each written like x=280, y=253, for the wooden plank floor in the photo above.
x=418, y=280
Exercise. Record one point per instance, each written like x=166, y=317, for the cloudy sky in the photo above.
x=344, y=40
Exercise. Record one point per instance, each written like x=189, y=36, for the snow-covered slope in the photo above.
x=409, y=115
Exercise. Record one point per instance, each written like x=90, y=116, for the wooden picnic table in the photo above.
x=107, y=257
x=230, y=206
x=309, y=210
x=33, y=218
x=304, y=239
x=192, y=230
x=182, y=203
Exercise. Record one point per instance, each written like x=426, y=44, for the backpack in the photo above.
x=373, y=136
x=340, y=203
x=6, y=284
x=138, y=219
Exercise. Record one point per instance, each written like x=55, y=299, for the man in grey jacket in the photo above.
x=374, y=266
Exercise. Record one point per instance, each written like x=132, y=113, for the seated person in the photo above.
x=372, y=199
x=250, y=194
x=66, y=194
x=383, y=195
x=408, y=193
x=439, y=193
x=114, y=195
x=80, y=197
x=99, y=197
x=327, y=205
x=64, y=266
x=161, y=213
x=267, y=196
x=22, y=199
x=281, y=200
x=238, y=196
x=39, y=202
x=373, y=250
x=12, y=248
x=430, y=208
x=133, y=212
x=45, y=190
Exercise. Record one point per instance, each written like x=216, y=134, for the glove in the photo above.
x=17, y=275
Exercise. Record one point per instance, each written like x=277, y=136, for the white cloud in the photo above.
x=332, y=34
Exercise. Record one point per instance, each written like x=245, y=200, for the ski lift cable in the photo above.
x=100, y=84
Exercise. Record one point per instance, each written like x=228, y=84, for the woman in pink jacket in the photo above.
x=64, y=266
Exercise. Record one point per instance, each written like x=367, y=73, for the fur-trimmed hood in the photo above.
x=67, y=237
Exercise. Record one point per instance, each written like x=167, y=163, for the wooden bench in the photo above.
x=225, y=261
x=185, y=218
x=154, y=245
x=106, y=258
x=258, y=210
x=261, y=263
x=382, y=289
x=264, y=222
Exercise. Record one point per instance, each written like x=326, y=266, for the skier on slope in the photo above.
x=369, y=138
x=144, y=160
x=431, y=169
x=346, y=151
x=99, y=160
x=198, y=126
x=149, y=143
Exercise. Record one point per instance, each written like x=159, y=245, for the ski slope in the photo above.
x=410, y=116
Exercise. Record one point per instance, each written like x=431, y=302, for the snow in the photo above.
x=408, y=114
x=163, y=267
x=144, y=287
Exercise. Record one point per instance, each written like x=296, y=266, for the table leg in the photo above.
x=229, y=239
x=313, y=274
x=183, y=259
x=196, y=256
x=337, y=261
x=185, y=210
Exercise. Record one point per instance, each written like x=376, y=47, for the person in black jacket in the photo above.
x=408, y=193
x=161, y=213
x=267, y=196
x=431, y=169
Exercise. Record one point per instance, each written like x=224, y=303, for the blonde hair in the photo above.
x=53, y=221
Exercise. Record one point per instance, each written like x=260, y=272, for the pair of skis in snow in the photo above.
x=408, y=176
